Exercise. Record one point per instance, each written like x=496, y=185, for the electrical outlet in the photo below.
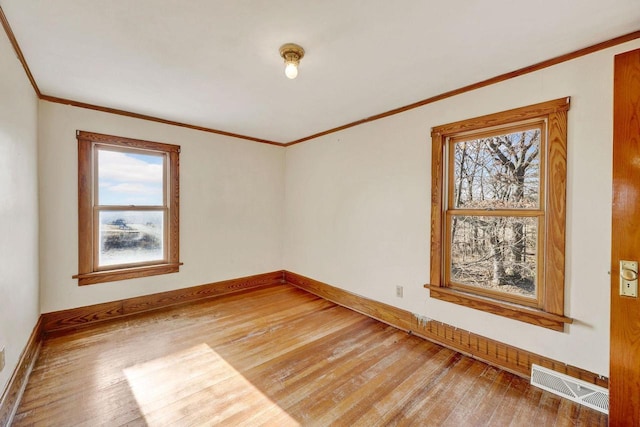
x=2, y=359
x=399, y=291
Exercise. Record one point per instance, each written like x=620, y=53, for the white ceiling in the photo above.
x=215, y=63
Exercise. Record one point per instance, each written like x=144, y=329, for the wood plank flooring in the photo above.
x=275, y=356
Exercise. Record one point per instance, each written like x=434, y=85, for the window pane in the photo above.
x=497, y=253
x=126, y=179
x=498, y=172
x=128, y=237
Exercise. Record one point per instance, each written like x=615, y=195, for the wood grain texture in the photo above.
x=12, y=394
x=383, y=312
x=516, y=312
x=124, y=274
x=437, y=183
x=501, y=355
x=85, y=207
x=555, y=226
x=624, y=399
x=275, y=356
x=503, y=117
x=82, y=316
x=89, y=272
x=548, y=310
x=126, y=142
x=174, y=207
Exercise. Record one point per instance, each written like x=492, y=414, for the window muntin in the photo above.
x=540, y=211
x=128, y=208
x=495, y=213
x=130, y=186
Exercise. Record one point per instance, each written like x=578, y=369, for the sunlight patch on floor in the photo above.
x=198, y=387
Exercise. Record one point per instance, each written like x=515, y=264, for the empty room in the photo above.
x=301, y=213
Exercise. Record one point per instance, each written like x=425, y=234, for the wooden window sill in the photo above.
x=126, y=273
x=512, y=311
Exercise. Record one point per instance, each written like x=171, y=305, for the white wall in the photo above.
x=358, y=208
x=18, y=208
x=231, y=200
x=350, y=208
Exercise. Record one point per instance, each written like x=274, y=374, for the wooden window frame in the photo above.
x=548, y=311
x=538, y=213
x=88, y=234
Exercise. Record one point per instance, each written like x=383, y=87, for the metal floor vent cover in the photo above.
x=579, y=391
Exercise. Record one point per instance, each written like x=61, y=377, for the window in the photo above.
x=128, y=208
x=498, y=213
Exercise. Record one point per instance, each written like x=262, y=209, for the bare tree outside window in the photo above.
x=498, y=213
x=494, y=199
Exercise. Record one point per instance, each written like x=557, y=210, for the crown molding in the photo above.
x=153, y=119
x=16, y=48
x=493, y=80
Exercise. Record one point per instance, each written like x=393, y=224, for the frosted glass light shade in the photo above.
x=291, y=70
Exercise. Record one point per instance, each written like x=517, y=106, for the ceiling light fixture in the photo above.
x=292, y=54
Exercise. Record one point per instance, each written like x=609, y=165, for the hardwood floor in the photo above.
x=275, y=356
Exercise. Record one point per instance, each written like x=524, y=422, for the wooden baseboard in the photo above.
x=13, y=393
x=501, y=355
x=74, y=318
